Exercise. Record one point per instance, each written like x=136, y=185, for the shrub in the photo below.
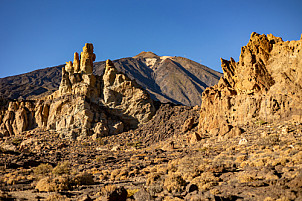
x=174, y=182
x=62, y=168
x=56, y=197
x=114, y=173
x=16, y=141
x=246, y=178
x=205, y=181
x=108, y=188
x=43, y=169
x=49, y=184
x=131, y=192
x=153, y=178
x=83, y=179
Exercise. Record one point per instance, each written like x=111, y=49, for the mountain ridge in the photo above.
x=148, y=69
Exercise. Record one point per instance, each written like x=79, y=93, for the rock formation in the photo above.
x=16, y=117
x=87, y=59
x=84, y=105
x=125, y=97
x=264, y=86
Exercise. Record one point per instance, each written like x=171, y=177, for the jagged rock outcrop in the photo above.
x=265, y=85
x=84, y=105
x=125, y=97
x=16, y=117
x=79, y=80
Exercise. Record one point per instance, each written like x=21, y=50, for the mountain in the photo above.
x=167, y=79
x=33, y=84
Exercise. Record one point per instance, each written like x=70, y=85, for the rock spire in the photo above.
x=87, y=59
x=76, y=62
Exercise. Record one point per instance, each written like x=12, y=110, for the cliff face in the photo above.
x=265, y=85
x=84, y=104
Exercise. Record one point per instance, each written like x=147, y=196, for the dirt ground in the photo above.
x=157, y=161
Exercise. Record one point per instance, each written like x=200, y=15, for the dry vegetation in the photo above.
x=267, y=166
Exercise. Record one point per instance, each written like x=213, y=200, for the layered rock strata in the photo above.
x=85, y=104
x=264, y=86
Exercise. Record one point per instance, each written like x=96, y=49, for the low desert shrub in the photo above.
x=114, y=173
x=269, y=140
x=56, y=197
x=153, y=178
x=246, y=178
x=205, y=181
x=16, y=141
x=108, y=188
x=174, y=182
x=131, y=192
x=62, y=168
x=104, y=175
x=64, y=182
x=83, y=179
x=43, y=169
x=53, y=184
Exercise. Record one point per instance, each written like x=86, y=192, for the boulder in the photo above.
x=188, y=125
x=115, y=194
x=195, y=137
x=142, y=195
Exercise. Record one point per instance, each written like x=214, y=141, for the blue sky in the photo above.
x=36, y=34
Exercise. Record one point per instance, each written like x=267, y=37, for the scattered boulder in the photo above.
x=195, y=137
x=56, y=197
x=188, y=125
x=242, y=141
x=113, y=193
x=191, y=187
x=235, y=131
x=142, y=195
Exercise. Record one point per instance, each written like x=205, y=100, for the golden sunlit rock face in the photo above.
x=265, y=85
x=87, y=59
x=85, y=104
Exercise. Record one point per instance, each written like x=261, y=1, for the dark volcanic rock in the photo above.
x=168, y=121
x=34, y=84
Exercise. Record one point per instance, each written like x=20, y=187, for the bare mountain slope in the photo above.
x=168, y=79
x=32, y=84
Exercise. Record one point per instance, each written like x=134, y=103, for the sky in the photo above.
x=36, y=34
